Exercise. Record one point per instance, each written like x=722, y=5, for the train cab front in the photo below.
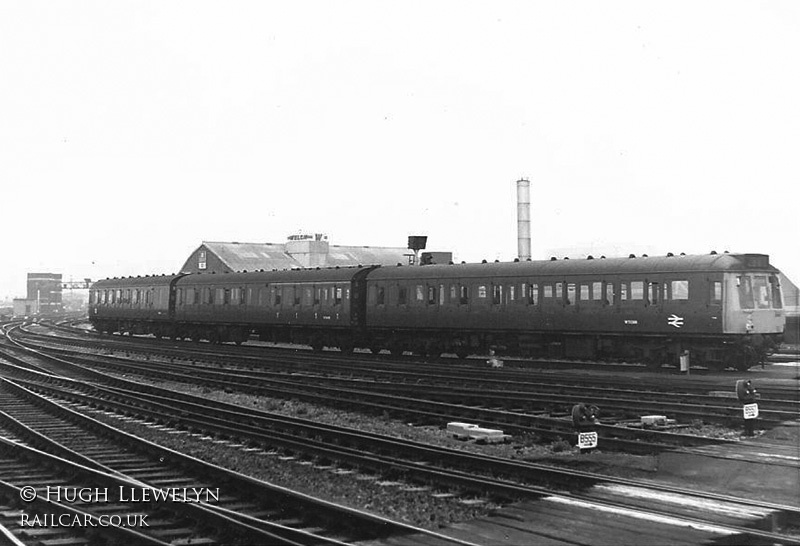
x=754, y=315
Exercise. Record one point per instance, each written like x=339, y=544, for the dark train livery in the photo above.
x=725, y=309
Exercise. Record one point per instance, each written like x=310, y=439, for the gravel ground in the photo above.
x=388, y=496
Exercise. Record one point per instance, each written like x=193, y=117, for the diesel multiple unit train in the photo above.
x=724, y=309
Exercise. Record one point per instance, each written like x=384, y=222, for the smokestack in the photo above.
x=523, y=219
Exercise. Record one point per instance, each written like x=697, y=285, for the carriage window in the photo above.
x=317, y=295
x=482, y=291
x=441, y=294
x=653, y=289
x=512, y=295
x=559, y=291
x=420, y=296
x=533, y=294
x=226, y=296
x=402, y=295
x=716, y=291
x=609, y=299
x=745, y=292
x=777, y=302
x=637, y=290
x=380, y=298
x=497, y=293
x=453, y=292
x=463, y=297
x=585, y=292
x=680, y=290
x=431, y=295
x=136, y=296
x=762, y=292
x=597, y=291
x=548, y=291
x=276, y=296
x=570, y=293
x=337, y=297
x=623, y=291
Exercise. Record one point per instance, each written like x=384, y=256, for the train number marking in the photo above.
x=750, y=411
x=587, y=440
x=675, y=320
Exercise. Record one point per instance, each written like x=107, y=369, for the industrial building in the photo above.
x=44, y=295
x=300, y=251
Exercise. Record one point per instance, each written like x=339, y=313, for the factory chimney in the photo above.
x=524, y=219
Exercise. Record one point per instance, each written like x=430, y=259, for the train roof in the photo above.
x=147, y=280
x=584, y=267
x=328, y=274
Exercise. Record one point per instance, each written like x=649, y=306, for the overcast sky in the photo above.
x=130, y=132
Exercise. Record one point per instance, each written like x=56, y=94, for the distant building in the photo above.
x=44, y=295
x=299, y=251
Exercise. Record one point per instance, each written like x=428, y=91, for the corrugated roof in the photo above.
x=268, y=256
x=252, y=256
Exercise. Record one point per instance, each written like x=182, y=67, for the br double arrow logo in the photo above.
x=675, y=320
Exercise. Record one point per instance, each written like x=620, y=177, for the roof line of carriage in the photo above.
x=669, y=264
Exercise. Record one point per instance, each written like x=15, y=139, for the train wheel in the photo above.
x=317, y=345
x=375, y=350
x=462, y=352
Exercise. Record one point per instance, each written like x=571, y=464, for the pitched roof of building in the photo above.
x=256, y=256
x=252, y=256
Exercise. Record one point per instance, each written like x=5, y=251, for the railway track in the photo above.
x=238, y=508
x=603, y=493
x=596, y=490
x=532, y=406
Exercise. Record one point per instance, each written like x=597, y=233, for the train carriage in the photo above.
x=136, y=305
x=310, y=306
x=723, y=307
